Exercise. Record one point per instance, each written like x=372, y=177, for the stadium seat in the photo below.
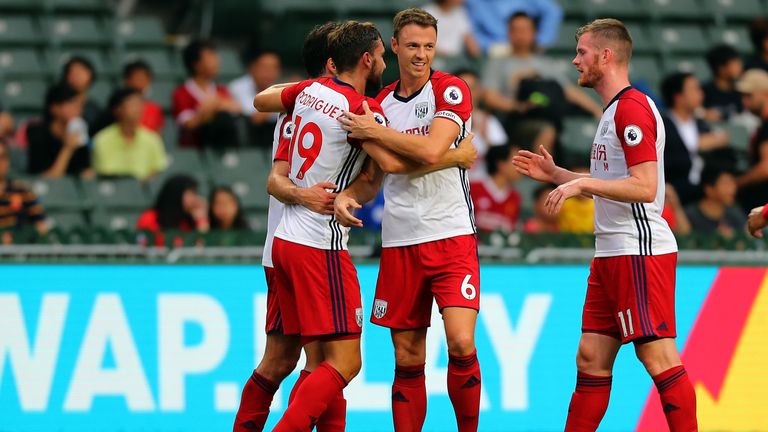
x=680, y=38
x=161, y=93
x=25, y=95
x=17, y=63
x=116, y=194
x=158, y=59
x=100, y=92
x=16, y=30
x=257, y=220
x=525, y=187
x=170, y=133
x=669, y=10
x=695, y=65
x=242, y=162
x=578, y=135
x=306, y=6
x=82, y=6
x=645, y=68
x=76, y=31
x=57, y=194
x=250, y=188
x=65, y=220
x=573, y=9
x=617, y=8
x=184, y=161
x=154, y=185
x=18, y=158
x=730, y=10
x=21, y=5
x=642, y=41
x=735, y=36
x=141, y=31
x=739, y=136
x=230, y=66
x=114, y=220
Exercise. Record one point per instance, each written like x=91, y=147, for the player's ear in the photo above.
x=393, y=44
x=330, y=66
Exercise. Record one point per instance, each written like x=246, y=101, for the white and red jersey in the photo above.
x=320, y=151
x=280, y=141
x=437, y=205
x=631, y=132
x=495, y=208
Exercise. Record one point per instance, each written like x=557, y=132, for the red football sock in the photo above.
x=409, y=398
x=678, y=399
x=312, y=399
x=254, y=404
x=334, y=419
x=588, y=403
x=464, y=390
x=302, y=376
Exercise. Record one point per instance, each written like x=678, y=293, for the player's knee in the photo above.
x=588, y=360
x=657, y=359
x=461, y=344
x=409, y=354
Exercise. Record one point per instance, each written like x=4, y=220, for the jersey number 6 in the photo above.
x=309, y=154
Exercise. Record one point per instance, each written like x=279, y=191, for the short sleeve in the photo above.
x=453, y=99
x=283, y=138
x=289, y=94
x=636, y=130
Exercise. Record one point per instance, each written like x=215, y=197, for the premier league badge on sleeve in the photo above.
x=379, y=308
x=633, y=135
x=453, y=95
x=288, y=130
x=379, y=118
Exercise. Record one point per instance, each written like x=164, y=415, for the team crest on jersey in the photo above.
x=359, y=316
x=453, y=95
x=633, y=135
x=288, y=130
x=422, y=109
x=604, y=129
x=379, y=118
x=379, y=308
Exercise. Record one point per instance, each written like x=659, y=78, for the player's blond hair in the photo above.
x=416, y=16
x=610, y=32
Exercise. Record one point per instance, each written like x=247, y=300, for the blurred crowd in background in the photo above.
x=194, y=155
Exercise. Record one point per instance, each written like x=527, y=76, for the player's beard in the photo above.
x=592, y=75
x=373, y=82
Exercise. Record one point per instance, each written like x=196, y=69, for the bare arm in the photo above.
x=758, y=172
x=498, y=102
x=423, y=149
x=315, y=198
x=463, y=156
x=362, y=190
x=542, y=167
x=59, y=167
x=640, y=186
x=270, y=100
x=713, y=140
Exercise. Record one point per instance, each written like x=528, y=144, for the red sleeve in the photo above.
x=183, y=104
x=284, y=140
x=289, y=94
x=636, y=130
x=453, y=99
x=765, y=212
x=223, y=91
x=378, y=114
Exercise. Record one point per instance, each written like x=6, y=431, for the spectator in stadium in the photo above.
x=19, y=206
x=205, y=111
x=542, y=221
x=226, y=212
x=137, y=75
x=578, y=217
x=80, y=74
x=674, y=212
x=487, y=128
x=125, y=147
x=753, y=184
x=716, y=212
x=496, y=202
x=688, y=137
x=758, y=34
x=721, y=99
x=264, y=69
x=6, y=123
x=454, y=29
x=490, y=26
x=178, y=206
x=57, y=144
x=758, y=220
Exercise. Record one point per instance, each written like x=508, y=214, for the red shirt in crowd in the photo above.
x=186, y=100
x=152, y=116
x=495, y=209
